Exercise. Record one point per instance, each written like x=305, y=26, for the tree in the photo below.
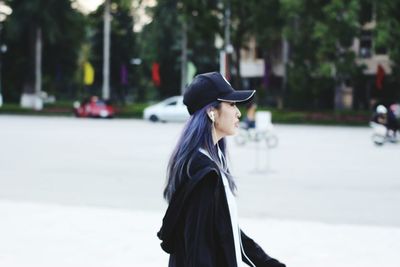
x=335, y=32
x=161, y=40
x=387, y=36
x=320, y=34
x=204, y=25
x=59, y=28
x=123, y=47
x=267, y=26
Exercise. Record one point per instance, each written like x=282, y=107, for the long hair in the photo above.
x=197, y=133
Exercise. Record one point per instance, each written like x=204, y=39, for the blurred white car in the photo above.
x=171, y=109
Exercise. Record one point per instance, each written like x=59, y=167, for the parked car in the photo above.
x=94, y=108
x=171, y=109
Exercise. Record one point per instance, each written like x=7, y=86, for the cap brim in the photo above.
x=238, y=96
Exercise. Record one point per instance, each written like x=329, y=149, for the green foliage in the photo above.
x=122, y=49
x=161, y=40
x=62, y=35
x=160, y=43
x=267, y=23
x=203, y=26
x=320, y=34
x=387, y=33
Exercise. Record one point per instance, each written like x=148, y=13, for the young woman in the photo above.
x=200, y=227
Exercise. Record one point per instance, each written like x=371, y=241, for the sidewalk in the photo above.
x=48, y=235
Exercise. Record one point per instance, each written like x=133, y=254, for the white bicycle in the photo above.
x=246, y=135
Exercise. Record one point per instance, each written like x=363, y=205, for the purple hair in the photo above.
x=197, y=133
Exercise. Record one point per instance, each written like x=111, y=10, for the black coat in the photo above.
x=197, y=228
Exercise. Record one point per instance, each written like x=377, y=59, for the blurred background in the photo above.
x=88, y=192
x=299, y=55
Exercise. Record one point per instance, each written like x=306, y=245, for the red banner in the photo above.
x=155, y=74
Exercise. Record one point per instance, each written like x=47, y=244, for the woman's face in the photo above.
x=226, y=120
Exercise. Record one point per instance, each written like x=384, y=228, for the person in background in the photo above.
x=387, y=118
x=250, y=120
x=392, y=123
x=380, y=115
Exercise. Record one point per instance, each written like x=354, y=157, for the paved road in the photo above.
x=328, y=174
x=77, y=192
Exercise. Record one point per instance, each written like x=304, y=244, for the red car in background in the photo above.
x=94, y=108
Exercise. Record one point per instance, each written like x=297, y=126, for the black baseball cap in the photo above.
x=212, y=86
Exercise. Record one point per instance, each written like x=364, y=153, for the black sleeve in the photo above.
x=256, y=254
x=198, y=226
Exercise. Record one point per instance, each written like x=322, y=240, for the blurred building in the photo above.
x=375, y=60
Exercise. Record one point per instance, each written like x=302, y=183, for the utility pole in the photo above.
x=106, y=51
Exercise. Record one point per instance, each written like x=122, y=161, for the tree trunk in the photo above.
x=339, y=88
x=38, y=62
x=36, y=102
x=227, y=41
x=238, y=45
x=106, y=51
x=238, y=80
x=184, y=56
x=285, y=59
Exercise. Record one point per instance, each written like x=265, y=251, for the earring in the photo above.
x=212, y=118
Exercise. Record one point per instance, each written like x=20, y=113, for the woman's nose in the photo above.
x=238, y=112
